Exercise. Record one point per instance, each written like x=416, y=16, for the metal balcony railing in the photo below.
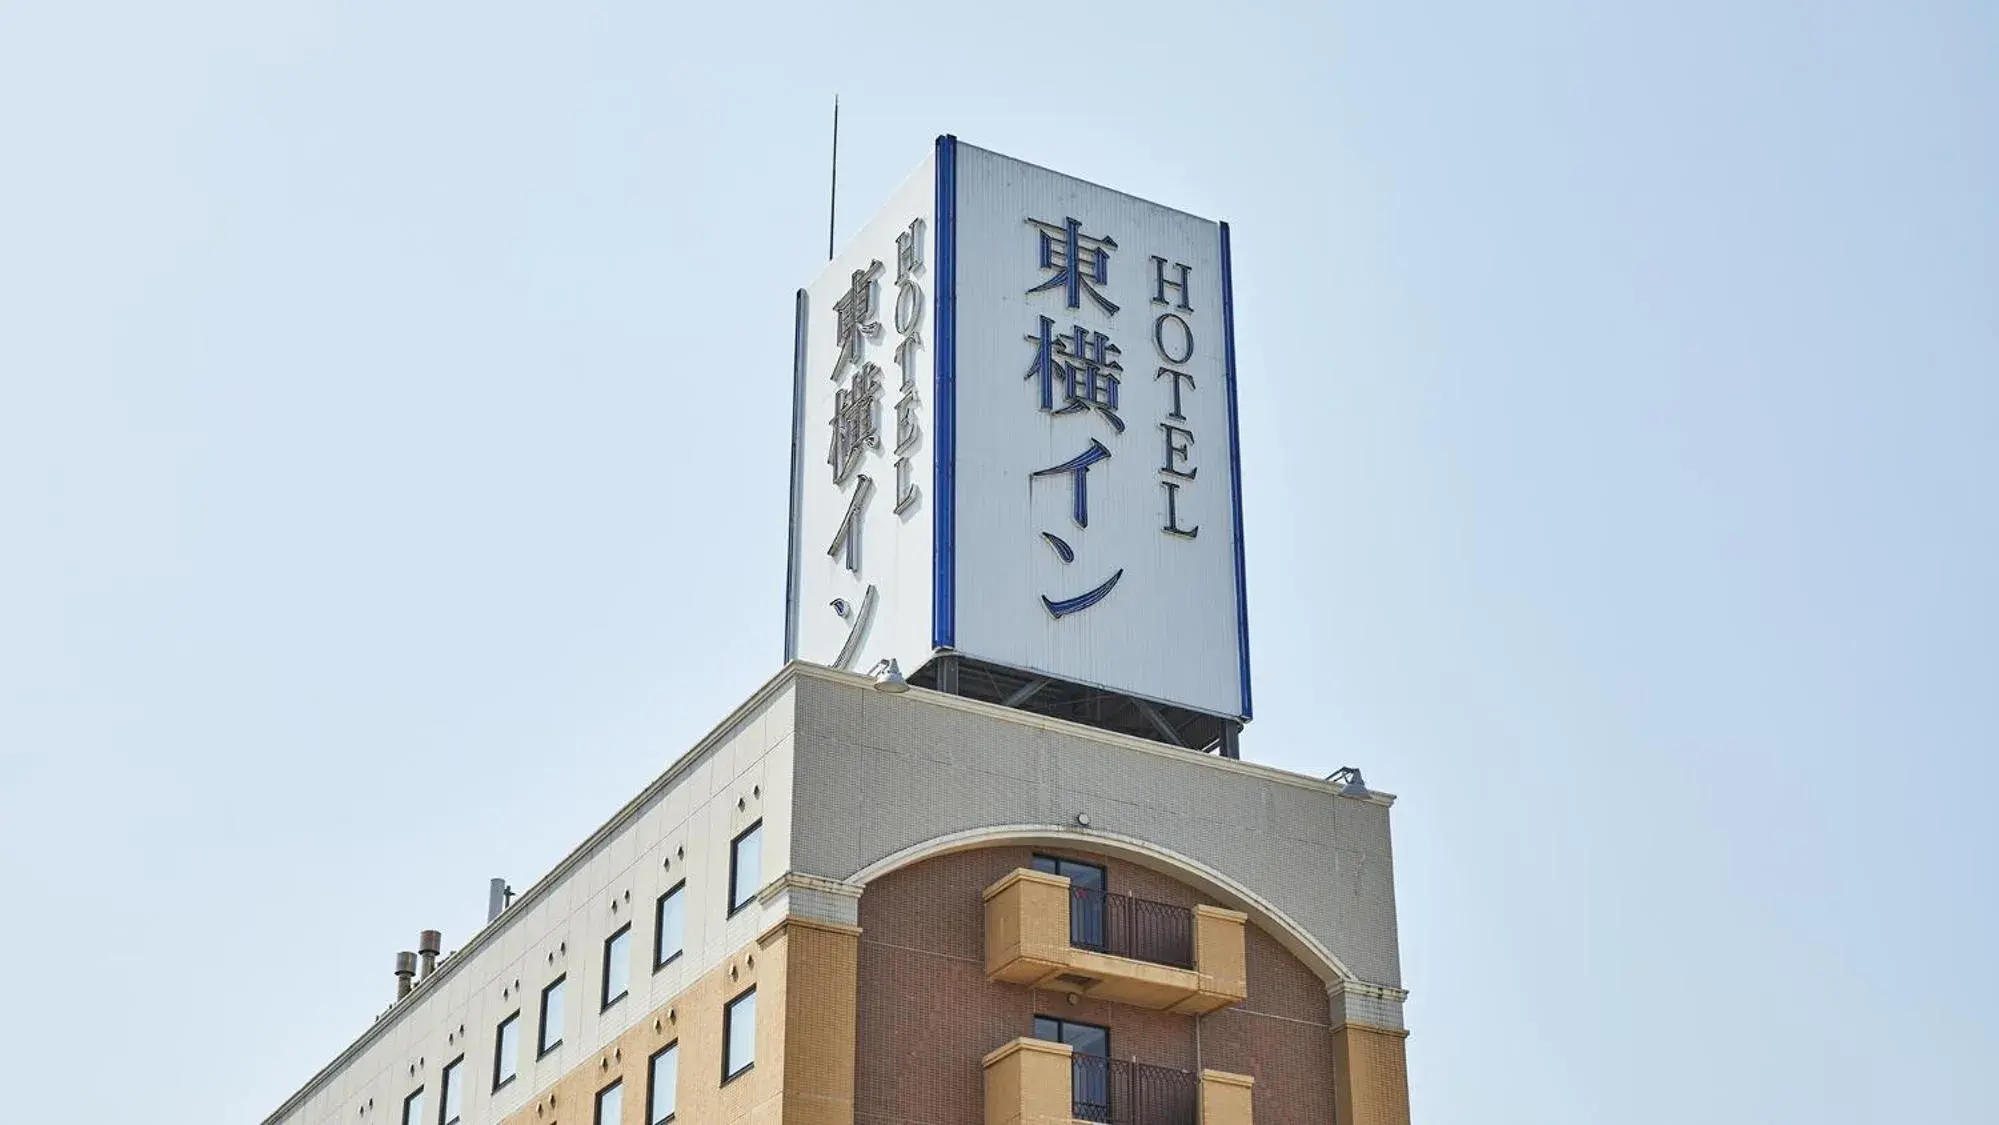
x=1137, y=928
x=1116, y=1092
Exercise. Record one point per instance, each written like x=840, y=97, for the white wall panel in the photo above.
x=896, y=553
x=695, y=811
x=1168, y=629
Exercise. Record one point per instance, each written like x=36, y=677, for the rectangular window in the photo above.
x=1088, y=876
x=662, y=1082
x=617, y=965
x=413, y=1108
x=746, y=866
x=1086, y=899
x=451, y=1091
x=610, y=1103
x=739, y=1034
x=1089, y=1065
x=506, y=1051
x=1085, y=1038
x=551, y=1015
x=669, y=931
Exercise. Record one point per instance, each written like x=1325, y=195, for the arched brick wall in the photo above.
x=927, y=1015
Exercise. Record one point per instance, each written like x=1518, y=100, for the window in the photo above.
x=610, y=1102
x=551, y=1015
x=413, y=1108
x=1085, y=1038
x=662, y=1080
x=746, y=866
x=1086, y=898
x=1089, y=1064
x=451, y=1092
x=506, y=1051
x=668, y=934
x=1088, y=876
x=617, y=965
x=739, y=1035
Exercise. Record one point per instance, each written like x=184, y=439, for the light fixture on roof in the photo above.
x=888, y=677
x=1354, y=786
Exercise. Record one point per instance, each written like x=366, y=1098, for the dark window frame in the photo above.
x=542, y=1046
x=1060, y=1023
x=415, y=1095
x=500, y=1042
x=1102, y=870
x=606, y=1000
x=659, y=932
x=652, y=1086
x=445, y=1084
x=728, y=1023
x=735, y=857
x=597, y=1103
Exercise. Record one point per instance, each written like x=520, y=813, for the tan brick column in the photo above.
x=1370, y=1065
x=814, y=1035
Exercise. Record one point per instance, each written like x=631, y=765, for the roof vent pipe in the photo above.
x=427, y=944
x=497, y=894
x=405, y=969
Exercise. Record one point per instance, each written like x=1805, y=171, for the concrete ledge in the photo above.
x=1025, y=1044
x=1225, y=1098
x=1023, y=875
x=1027, y=943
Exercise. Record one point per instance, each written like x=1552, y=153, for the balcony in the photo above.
x=1034, y=1082
x=1044, y=933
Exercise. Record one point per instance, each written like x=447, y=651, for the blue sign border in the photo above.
x=797, y=476
x=1235, y=468
x=944, y=491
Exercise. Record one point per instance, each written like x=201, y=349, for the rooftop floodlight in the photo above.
x=888, y=677
x=1354, y=787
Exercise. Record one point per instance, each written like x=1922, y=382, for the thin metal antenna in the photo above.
x=833, y=192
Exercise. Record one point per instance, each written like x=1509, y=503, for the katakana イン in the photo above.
x=847, y=540
x=857, y=620
x=1082, y=601
x=1078, y=470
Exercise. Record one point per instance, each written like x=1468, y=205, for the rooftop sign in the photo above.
x=1014, y=439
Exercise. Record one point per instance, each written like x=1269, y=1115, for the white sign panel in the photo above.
x=1066, y=499
x=863, y=439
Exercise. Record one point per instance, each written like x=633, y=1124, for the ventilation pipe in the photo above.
x=427, y=945
x=497, y=896
x=405, y=971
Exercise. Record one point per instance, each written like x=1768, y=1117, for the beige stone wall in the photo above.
x=822, y=983
x=1027, y=1083
x=1225, y=1098
x=1372, y=1075
x=805, y=974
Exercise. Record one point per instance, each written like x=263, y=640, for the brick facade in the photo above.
x=927, y=1015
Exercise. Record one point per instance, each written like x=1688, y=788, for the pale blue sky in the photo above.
x=393, y=431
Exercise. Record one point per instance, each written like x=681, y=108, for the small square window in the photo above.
x=413, y=1108
x=617, y=965
x=611, y=1103
x=746, y=866
x=739, y=1035
x=551, y=1015
x=507, y=1051
x=662, y=1084
x=451, y=1092
x=670, y=918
